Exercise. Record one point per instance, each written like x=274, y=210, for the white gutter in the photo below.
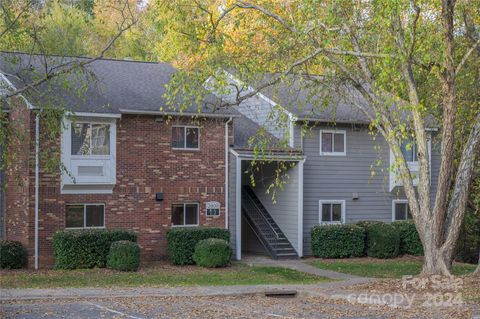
x=37, y=147
x=90, y=114
x=226, y=172
x=160, y=113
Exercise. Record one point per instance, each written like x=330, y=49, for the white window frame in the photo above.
x=398, y=201
x=93, y=156
x=185, y=127
x=413, y=166
x=344, y=153
x=72, y=182
x=414, y=150
x=85, y=215
x=331, y=201
x=184, y=209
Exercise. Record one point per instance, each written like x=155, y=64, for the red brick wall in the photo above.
x=17, y=181
x=146, y=164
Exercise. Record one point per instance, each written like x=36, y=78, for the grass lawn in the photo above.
x=382, y=268
x=156, y=275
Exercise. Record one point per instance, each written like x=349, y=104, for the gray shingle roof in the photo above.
x=307, y=99
x=105, y=86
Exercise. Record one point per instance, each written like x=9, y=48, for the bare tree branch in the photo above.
x=67, y=67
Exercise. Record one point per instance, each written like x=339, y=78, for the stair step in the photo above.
x=265, y=225
x=285, y=249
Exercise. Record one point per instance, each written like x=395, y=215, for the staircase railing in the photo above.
x=253, y=209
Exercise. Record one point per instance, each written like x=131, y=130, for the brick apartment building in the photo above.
x=128, y=165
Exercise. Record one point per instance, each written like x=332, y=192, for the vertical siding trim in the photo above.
x=291, y=126
x=300, y=208
x=238, y=210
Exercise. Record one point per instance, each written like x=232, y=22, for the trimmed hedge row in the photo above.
x=181, y=242
x=371, y=238
x=382, y=240
x=212, y=253
x=410, y=242
x=124, y=255
x=12, y=255
x=86, y=248
x=338, y=241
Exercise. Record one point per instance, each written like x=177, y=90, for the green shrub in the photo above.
x=382, y=240
x=409, y=240
x=181, y=242
x=86, y=248
x=12, y=255
x=124, y=255
x=212, y=252
x=338, y=241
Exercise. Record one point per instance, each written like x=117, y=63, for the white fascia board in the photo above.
x=90, y=114
x=285, y=158
x=9, y=83
x=188, y=114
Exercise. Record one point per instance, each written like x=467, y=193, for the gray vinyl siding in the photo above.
x=338, y=177
x=285, y=208
x=232, y=200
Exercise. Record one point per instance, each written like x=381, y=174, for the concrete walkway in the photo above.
x=299, y=265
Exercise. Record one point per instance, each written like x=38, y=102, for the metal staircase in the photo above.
x=267, y=231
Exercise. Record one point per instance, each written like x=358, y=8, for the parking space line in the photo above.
x=112, y=310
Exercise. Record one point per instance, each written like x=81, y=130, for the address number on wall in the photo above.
x=213, y=208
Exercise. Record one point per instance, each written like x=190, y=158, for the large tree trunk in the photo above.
x=435, y=263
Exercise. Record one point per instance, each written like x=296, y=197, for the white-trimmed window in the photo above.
x=185, y=214
x=333, y=142
x=85, y=216
x=400, y=210
x=332, y=211
x=186, y=137
x=409, y=150
x=89, y=154
x=90, y=139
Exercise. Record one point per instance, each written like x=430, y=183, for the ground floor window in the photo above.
x=331, y=211
x=185, y=214
x=401, y=210
x=85, y=216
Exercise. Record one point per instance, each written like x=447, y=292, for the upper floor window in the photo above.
x=409, y=150
x=89, y=153
x=401, y=210
x=185, y=214
x=332, y=142
x=332, y=211
x=85, y=216
x=185, y=137
x=90, y=139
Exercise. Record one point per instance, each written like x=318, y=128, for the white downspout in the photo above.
x=226, y=171
x=37, y=147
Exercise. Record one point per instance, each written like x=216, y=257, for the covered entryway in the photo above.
x=267, y=207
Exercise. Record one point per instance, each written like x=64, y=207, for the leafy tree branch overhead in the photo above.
x=63, y=30
x=410, y=67
x=412, y=61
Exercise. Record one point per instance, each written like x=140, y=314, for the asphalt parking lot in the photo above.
x=214, y=307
